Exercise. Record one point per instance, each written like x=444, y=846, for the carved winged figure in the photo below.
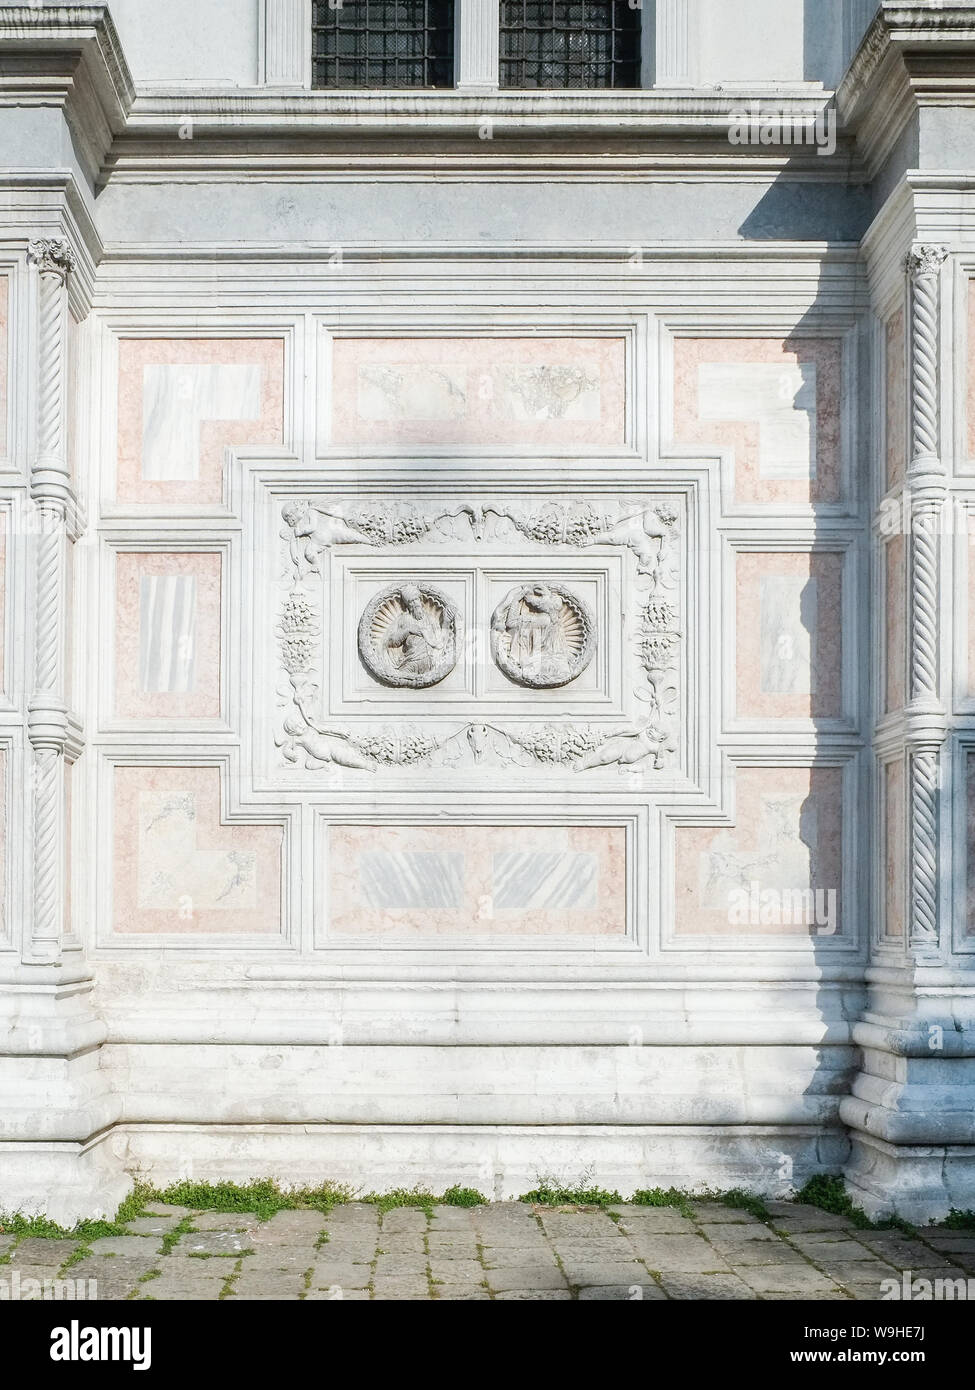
x=321, y=747
x=314, y=530
x=630, y=747
x=643, y=531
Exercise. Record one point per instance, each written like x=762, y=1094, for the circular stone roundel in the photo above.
x=408, y=636
x=542, y=636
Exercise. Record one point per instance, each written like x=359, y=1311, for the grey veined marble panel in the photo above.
x=412, y=879
x=530, y=881
x=167, y=621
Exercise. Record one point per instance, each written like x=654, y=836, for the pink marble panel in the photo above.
x=167, y=635
x=479, y=391
x=178, y=411
x=4, y=522
x=970, y=524
x=789, y=635
x=896, y=400
x=4, y=386
x=971, y=369
x=970, y=845
x=4, y=916
x=476, y=881
x=895, y=852
x=767, y=436
x=178, y=867
x=68, y=832
x=778, y=870
x=895, y=626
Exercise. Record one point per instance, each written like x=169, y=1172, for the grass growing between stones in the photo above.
x=830, y=1194
x=263, y=1197
x=463, y=1197
x=551, y=1194
x=745, y=1201
x=663, y=1197
x=402, y=1197
x=959, y=1220
x=40, y=1227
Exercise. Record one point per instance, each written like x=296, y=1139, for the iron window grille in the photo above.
x=383, y=43
x=569, y=43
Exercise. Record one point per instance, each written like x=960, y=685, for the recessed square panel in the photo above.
x=546, y=633
x=405, y=635
x=531, y=391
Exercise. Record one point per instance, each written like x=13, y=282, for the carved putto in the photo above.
x=408, y=636
x=542, y=636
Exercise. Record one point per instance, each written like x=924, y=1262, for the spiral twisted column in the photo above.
x=925, y=721
x=51, y=493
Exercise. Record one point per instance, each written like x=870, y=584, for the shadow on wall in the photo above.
x=797, y=861
x=832, y=31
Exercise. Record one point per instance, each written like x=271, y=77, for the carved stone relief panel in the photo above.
x=408, y=636
x=502, y=392
x=542, y=635
x=464, y=634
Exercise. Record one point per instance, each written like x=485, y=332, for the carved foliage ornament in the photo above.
x=925, y=259
x=408, y=636
x=52, y=255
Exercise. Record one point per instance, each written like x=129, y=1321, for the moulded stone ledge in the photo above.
x=502, y=1161
x=912, y=1127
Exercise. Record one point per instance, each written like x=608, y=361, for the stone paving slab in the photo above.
x=153, y=1225
x=526, y=1277
x=509, y=1252
x=349, y=1276
x=33, y=1251
x=224, y=1221
x=548, y=1295
x=621, y=1293
x=583, y=1275
x=213, y=1243
x=136, y=1247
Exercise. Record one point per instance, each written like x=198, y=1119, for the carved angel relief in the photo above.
x=542, y=637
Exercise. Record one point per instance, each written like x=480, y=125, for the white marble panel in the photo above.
x=176, y=873
x=780, y=398
x=787, y=622
x=388, y=392
x=178, y=398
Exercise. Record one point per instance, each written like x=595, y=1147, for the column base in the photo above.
x=65, y=1182
x=920, y=1182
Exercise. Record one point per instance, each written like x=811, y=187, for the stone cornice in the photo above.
x=912, y=56
x=68, y=55
x=316, y=134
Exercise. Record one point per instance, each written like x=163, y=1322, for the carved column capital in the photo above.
x=925, y=259
x=52, y=256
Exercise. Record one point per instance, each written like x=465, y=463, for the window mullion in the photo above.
x=476, y=26
x=673, y=49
